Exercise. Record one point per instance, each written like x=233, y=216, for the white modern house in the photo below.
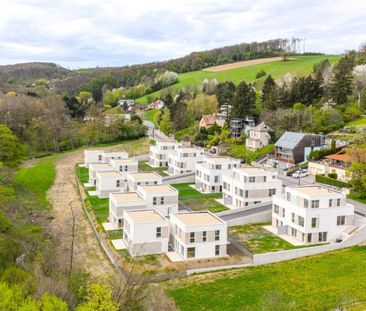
x=208, y=177
x=108, y=182
x=184, y=159
x=125, y=166
x=142, y=179
x=145, y=232
x=92, y=156
x=311, y=214
x=258, y=137
x=97, y=167
x=163, y=198
x=198, y=235
x=158, y=155
x=108, y=156
x=248, y=186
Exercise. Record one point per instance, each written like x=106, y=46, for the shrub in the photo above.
x=333, y=175
x=260, y=74
x=330, y=181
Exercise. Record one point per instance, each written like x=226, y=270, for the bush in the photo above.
x=260, y=74
x=330, y=181
x=333, y=175
x=319, y=154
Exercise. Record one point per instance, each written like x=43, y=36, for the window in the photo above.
x=217, y=250
x=341, y=220
x=301, y=221
x=241, y=191
x=293, y=231
x=225, y=185
x=204, y=236
x=191, y=252
x=246, y=193
x=288, y=195
x=217, y=235
x=162, y=200
x=283, y=212
x=330, y=202
x=272, y=192
x=264, y=178
x=322, y=236
x=309, y=237
x=218, y=167
x=154, y=200
x=100, y=158
x=155, y=182
x=252, y=179
x=216, y=178
x=120, y=168
x=338, y=202
x=293, y=217
x=315, y=204
x=276, y=209
x=192, y=237
x=118, y=182
x=306, y=203
x=158, y=232
x=314, y=222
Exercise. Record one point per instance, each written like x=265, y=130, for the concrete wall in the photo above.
x=251, y=219
x=183, y=178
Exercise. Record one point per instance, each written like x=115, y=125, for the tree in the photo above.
x=165, y=122
x=243, y=100
x=11, y=151
x=358, y=167
x=225, y=93
x=98, y=298
x=359, y=74
x=269, y=94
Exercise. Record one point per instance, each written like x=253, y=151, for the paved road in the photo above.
x=154, y=133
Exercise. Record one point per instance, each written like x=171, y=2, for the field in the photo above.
x=143, y=166
x=321, y=282
x=358, y=123
x=152, y=116
x=301, y=66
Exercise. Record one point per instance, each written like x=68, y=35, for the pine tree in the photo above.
x=243, y=100
x=225, y=93
x=269, y=94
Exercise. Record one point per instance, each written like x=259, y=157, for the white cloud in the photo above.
x=83, y=33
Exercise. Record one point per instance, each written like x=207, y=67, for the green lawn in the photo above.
x=358, y=123
x=100, y=207
x=320, y=282
x=152, y=116
x=258, y=240
x=239, y=151
x=33, y=182
x=360, y=197
x=187, y=192
x=205, y=203
x=143, y=166
x=301, y=66
x=83, y=174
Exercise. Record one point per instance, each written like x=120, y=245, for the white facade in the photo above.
x=258, y=137
x=142, y=179
x=158, y=156
x=248, y=186
x=163, y=198
x=97, y=167
x=125, y=166
x=108, y=182
x=183, y=160
x=311, y=214
x=208, y=177
x=145, y=232
x=108, y=156
x=198, y=235
x=92, y=156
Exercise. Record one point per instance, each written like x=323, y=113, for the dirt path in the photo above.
x=245, y=63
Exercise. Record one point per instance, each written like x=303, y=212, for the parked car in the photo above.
x=300, y=173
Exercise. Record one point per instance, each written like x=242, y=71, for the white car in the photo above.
x=300, y=173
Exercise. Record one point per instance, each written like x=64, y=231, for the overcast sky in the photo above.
x=88, y=33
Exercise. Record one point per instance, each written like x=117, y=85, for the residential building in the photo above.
x=311, y=214
x=258, y=137
x=290, y=148
x=209, y=173
x=97, y=167
x=198, y=235
x=92, y=156
x=158, y=155
x=108, y=156
x=145, y=232
x=126, y=103
x=207, y=121
x=108, y=182
x=248, y=186
x=183, y=160
x=337, y=163
x=142, y=179
x=125, y=166
x=238, y=126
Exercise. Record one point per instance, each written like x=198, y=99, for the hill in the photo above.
x=299, y=65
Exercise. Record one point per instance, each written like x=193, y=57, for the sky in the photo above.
x=89, y=33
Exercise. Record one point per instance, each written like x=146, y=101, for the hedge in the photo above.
x=330, y=181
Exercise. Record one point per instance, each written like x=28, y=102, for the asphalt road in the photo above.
x=154, y=133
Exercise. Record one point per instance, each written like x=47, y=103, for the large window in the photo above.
x=276, y=209
x=217, y=235
x=204, y=236
x=272, y=192
x=191, y=252
x=341, y=220
x=306, y=203
x=154, y=200
x=322, y=236
x=251, y=179
x=338, y=202
x=301, y=221
x=315, y=204
x=162, y=200
x=246, y=193
x=283, y=212
x=293, y=217
x=192, y=237
x=158, y=232
x=293, y=231
x=314, y=222
x=217, y=250
x=118, y=183
x=330, y=202
x=241, y=191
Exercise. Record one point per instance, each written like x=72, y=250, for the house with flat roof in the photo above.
x=142, y=179
x=108, y=182
x=291, y=148
x=208, y=177
x=125, y=166
x=311, y=214
x=145, y=232
x=108, y=156
x=248, y=186
x=258, y=137
x=184, y=159
x=158, y=155
x=97, y=167
x=92, y=156
x=198, y=235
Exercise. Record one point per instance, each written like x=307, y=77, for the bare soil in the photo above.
x=245, y=63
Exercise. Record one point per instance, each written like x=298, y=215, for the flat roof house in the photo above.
x=142, y=179
x=108, y=156
x=108, y=182
x=183, y=160
x=209, y=174
x=92, y=156
x=158, y=156
x=311, y=214
x=248, y=186
x=97, y=167
x=290, y=148
x=198, y=235
x=145, y=232
x=125, y=166
x=258, y=137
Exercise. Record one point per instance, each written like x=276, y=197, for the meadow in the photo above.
x=301, y=66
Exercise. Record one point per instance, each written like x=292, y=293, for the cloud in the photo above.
x=85, y=33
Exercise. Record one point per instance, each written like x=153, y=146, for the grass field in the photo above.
x=33, y=182
x=100, y=207
x=143, y=166
x=358, y=123
x=321, y=282
x=83, y=174
x=152, y=116
x=301, y=66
